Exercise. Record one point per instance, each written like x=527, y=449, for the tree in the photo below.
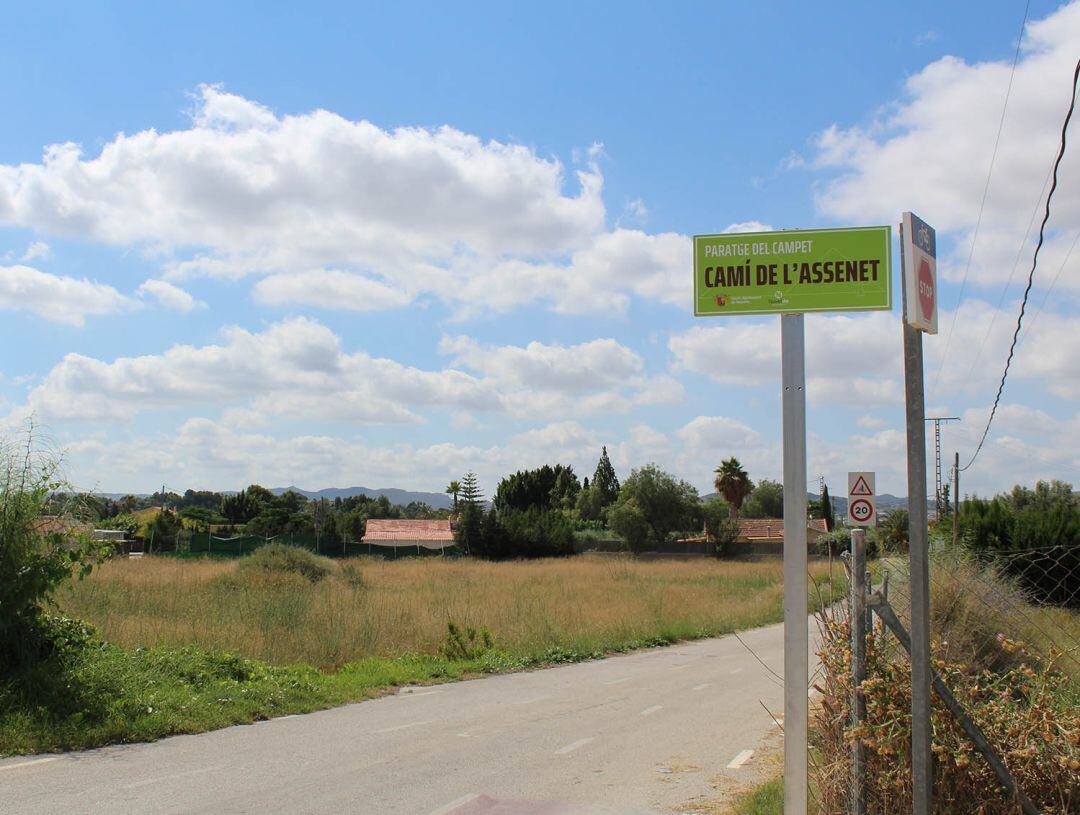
x=544, y=488
x=627, y=519
x=163, y=531
x=720, y=528
x=605, y=481
x=733, y=483
x=470, y=489
x=827, y=509
x=667, y=504
x=892, y=531
x=453, y=488
x=468, y=531
x=766, y=500
x=588, y=504
x=242, y=507
x=37, y=552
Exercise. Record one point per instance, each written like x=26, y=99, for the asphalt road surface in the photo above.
x=641, y=733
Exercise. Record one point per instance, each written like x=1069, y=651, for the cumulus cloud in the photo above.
x=298, y=368
x=37, y=249
x=346, y=214
x=57, y=298
x=931, y=150
x=169, y=295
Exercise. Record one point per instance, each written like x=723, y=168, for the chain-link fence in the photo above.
x=1005, y=631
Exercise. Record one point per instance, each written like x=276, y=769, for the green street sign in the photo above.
x=795, y=271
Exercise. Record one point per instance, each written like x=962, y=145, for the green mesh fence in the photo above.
x=239, y=545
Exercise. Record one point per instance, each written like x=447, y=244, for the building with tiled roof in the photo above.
x=404, y=533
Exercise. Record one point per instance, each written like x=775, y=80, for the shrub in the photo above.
x=37, y=553
x=278, y=558
x=465, y=644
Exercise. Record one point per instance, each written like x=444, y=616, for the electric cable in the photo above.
x=1034, y=264
x=982, y=205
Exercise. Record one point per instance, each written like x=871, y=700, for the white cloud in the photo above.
x=748, y=226
x=169, y=295
x=57, y=298
x=849, y=359
x=930, y=152
x=329, y=288
x=37, y=249
x=298, y=368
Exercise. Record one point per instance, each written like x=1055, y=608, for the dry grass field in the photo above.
x=371, y=607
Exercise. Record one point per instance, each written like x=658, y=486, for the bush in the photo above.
x=465, y=644
x=278, y=558
x=39, y=549
x=838, y=541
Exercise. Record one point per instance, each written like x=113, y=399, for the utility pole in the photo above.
x=937, y=420
x=956, y=500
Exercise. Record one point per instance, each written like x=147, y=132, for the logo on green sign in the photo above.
x=793, y=271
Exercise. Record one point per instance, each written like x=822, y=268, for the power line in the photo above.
x=982, y=204
x=1012, y=274
x=1034, y=264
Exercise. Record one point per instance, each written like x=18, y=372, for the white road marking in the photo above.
x=740, y=759
x=562, y=751
x=649, y=711
x=457, y=802
x=146, y=782
x=403, y=726
x=680, y=667
x=411, y=695
x=618, y=681
x=30, y=763
x=702, y=686
x=737, y=671
x=531, y=701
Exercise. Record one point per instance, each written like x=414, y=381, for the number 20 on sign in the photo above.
x=862, y=500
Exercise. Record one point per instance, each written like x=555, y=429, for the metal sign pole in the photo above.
x=796, y=634
x=921, y=780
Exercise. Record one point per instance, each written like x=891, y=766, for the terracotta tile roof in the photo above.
x=388, y=529
x=772, y=527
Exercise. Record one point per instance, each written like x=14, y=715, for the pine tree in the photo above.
x=470, y=489
x=605, y=482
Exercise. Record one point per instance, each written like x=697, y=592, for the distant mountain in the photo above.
x=885, y=502
x=435, y=500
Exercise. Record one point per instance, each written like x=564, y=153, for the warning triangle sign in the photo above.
x=861, y=487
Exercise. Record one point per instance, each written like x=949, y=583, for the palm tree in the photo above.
x=453, y=489
x=733, y=482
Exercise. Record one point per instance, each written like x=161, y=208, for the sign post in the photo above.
x=862, y=499
x=918, y=259
x=790, y=273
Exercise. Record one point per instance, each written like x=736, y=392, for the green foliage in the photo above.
x=124, y=522
x=162, y=532
x=454, y=489
x=466, y=643
x=766, y=500
x=468, y=531
x=535, y=532
x=278, y=558
x=733, y=482
x=837, y=541
x=243, y=506
x=891, y=533
x=721, y=528
x=605, y=482
x=39, y=549
x=544, y=488
x=590, y=505
x=1033, y=535
x=470, y=489
x=767, y=799
x=664, y=503
x=628, y=521
x=827, y=508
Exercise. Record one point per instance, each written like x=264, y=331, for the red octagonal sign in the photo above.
x=926, y=290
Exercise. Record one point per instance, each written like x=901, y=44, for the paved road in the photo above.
x=640, y=733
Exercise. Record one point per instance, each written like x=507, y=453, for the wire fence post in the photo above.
x=859, y=609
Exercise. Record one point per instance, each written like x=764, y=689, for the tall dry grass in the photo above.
x=371, y=607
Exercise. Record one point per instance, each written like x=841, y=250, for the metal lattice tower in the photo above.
x=937, y=420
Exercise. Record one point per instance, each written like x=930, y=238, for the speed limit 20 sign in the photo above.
x=862, y=501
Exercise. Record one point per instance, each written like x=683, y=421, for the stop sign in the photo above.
x=927, y=295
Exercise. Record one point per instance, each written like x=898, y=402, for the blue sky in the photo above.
x=382, y=246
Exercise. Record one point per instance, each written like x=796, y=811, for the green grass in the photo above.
x=186, y=647
x=767, y=799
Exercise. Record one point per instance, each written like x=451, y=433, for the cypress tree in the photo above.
x=605, y=482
